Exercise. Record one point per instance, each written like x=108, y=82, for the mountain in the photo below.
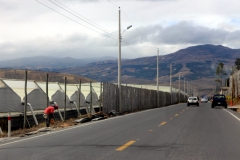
x=47, y=63
x=197, y=64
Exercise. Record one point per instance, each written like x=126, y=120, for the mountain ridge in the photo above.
x=196, y=64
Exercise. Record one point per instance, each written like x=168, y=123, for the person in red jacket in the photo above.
x=48, y=112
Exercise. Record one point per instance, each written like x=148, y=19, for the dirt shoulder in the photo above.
x=57, y=125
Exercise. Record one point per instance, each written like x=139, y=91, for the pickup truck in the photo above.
x=219, y=100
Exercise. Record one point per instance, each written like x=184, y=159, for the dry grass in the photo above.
x=56, y=125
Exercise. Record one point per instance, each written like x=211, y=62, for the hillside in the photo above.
x=197, y=64
x=47, y=63
x=41, y=76
x=193, y=63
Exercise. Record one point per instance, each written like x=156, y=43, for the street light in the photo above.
x=119, y=58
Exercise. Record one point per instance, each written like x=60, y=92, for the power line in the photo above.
x=113, y=3
x=133, y=24
x=115, y=37
x=82, y=18
x=73, y=19
x=130, y=47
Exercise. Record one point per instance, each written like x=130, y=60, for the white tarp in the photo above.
x=9, y=100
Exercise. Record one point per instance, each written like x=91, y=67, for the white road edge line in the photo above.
x=232, y=114
x=51, y=132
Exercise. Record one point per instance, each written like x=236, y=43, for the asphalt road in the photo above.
x=175, y=132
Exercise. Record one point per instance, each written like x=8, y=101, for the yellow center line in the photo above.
x=125, y=145
x=183, y=110
x=176, y=115
x=162, y=123
x=150, y=130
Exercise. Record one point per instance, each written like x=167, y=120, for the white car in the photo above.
x=204, y=100
x=192, y=101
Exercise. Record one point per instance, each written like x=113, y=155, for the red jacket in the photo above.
x=49, y=110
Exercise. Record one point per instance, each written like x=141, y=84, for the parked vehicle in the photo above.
x=192, y=101
x=219, y=100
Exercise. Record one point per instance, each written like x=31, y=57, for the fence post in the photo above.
x=79, y=95
x=47, y=91
x=101, y=96
x=90, y=98
x=25, y=104
x=65, y=97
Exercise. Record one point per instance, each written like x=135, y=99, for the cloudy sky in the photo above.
x=89, y=28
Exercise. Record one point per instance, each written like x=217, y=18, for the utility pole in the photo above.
x=119, y=60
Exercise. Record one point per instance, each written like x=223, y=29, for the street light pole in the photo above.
x=157, y=78
x=119, y=59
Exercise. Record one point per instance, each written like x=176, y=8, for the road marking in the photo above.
x=125, y=145
x=78, y=126
x=176, y=115
x=162, y=123
x=171, y=118
x=183, y=110
x=232, y=114
x=150, y=130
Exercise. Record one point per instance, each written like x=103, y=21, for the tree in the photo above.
x=237, y=63
x=220, y=72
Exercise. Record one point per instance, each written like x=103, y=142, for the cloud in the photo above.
x=182, y=33
x=141, y=41
x=29, y=28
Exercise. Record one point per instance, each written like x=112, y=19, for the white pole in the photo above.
x=119, y=59
x=179, y=87
x=9, y=125
x=34, y=117
x=77, y=108
x=171, y=81
x=157, y=78
x=60, y=115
